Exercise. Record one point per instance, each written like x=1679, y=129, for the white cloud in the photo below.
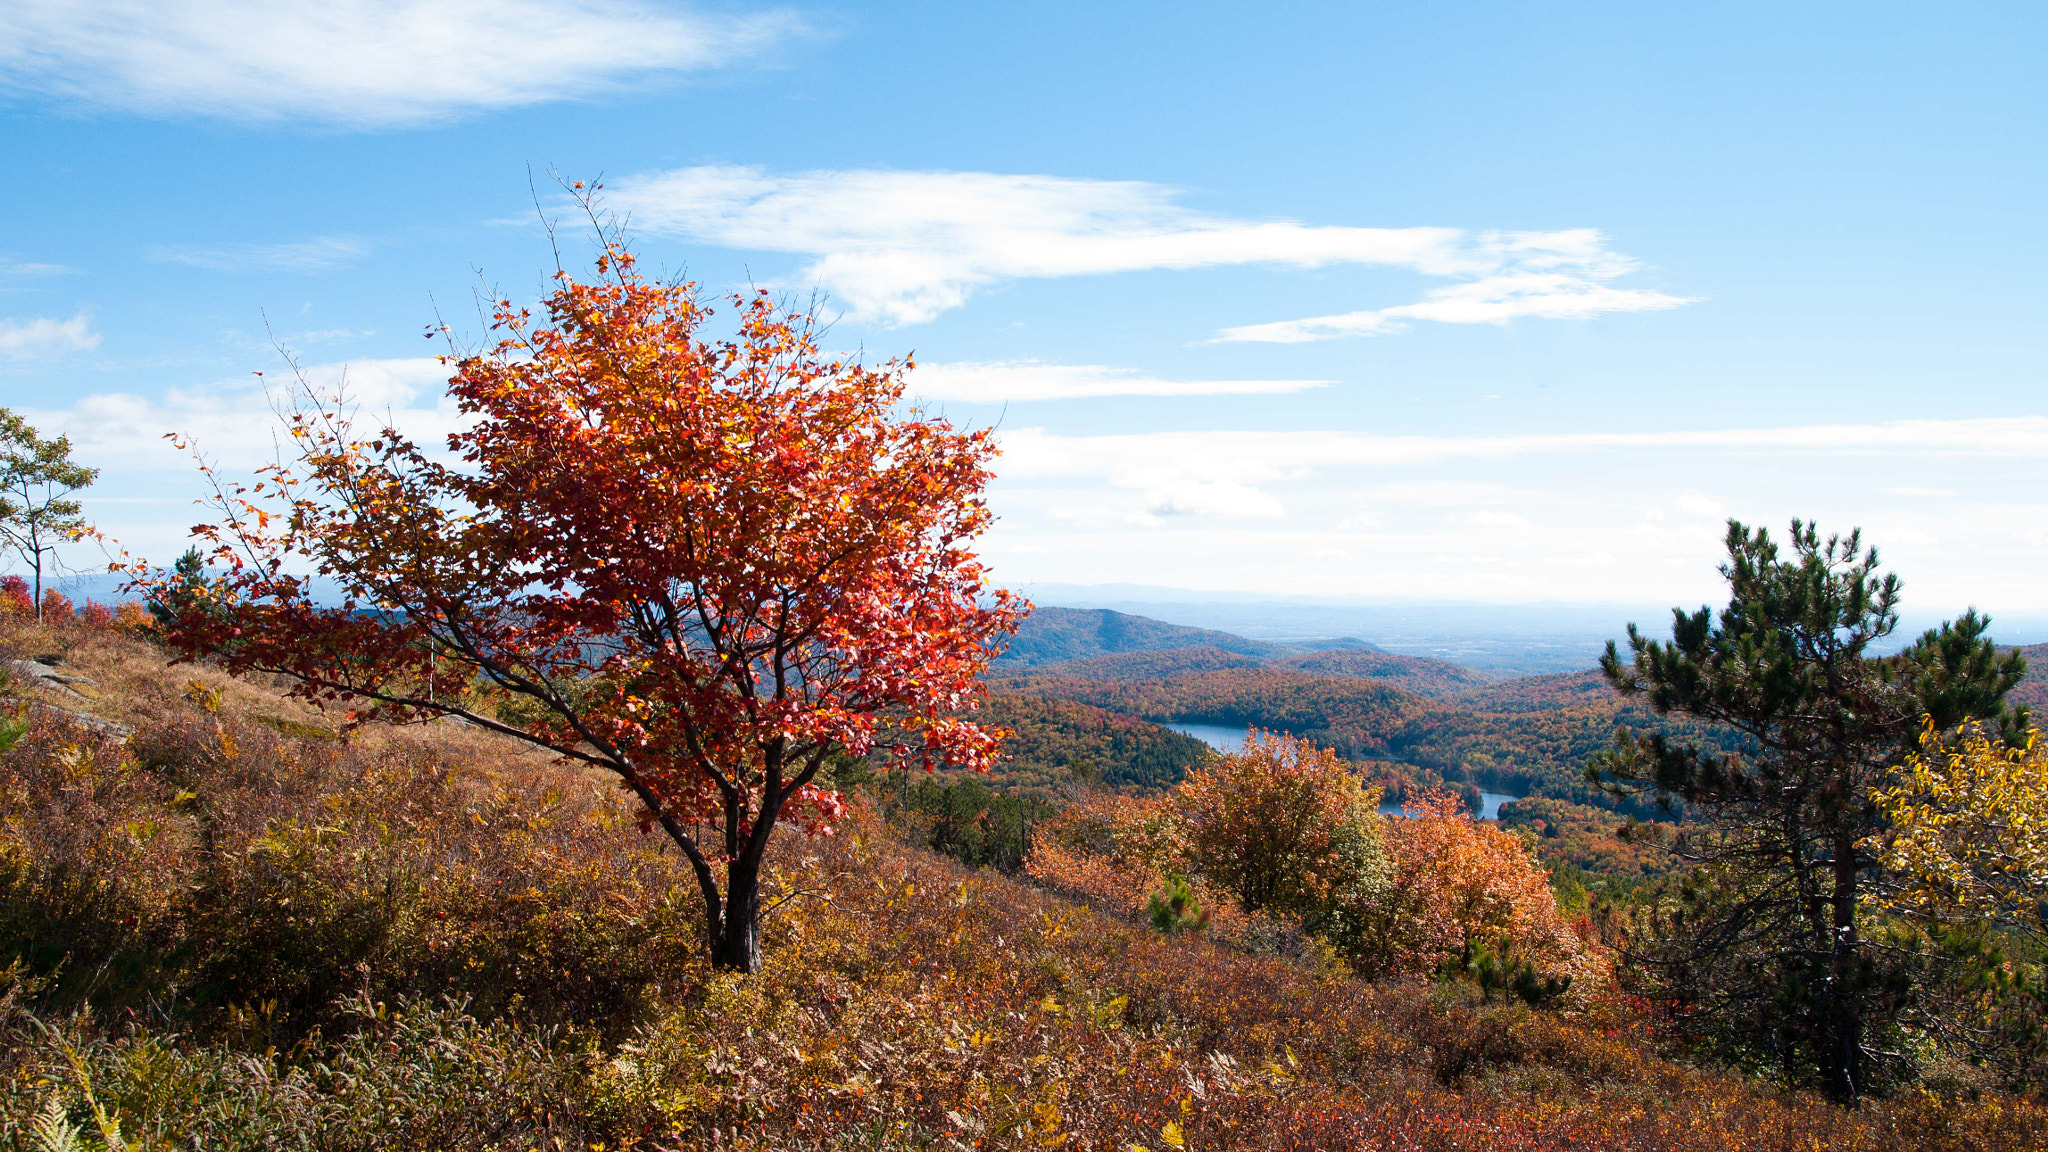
x=320, y=254
x=326, y=336
x=34, y=268
x=1507, y=520
x=1172, y=492
x=1035, y=451
x=233, y=422
x=1443, y=493
x=1223, y=473
x=1488, y=300
x=903, y=247
x=995, y=382
x=1544, y=275
x=44, y=335
x=1695, y=504
x=358, y=62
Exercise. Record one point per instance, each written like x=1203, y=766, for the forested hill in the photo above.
x=1417, y=674
x=1153, y=665
x=1056, y=742
x=1540, y=693
x=1528, y=737
x=1098, y=644
x=1439, y=720
x=2033, y=691
x=1356, y=717
x=1051, y=635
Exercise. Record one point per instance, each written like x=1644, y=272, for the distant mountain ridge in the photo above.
x=1418, y=674
x=1151, y=664
x=1053, y=635
x=1102, y=644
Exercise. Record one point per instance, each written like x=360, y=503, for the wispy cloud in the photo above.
x=363, y=63
x=1580, y=294
x=43, y=335
x=326, y=336
x=904, y=247
x=232, y=420
x=319, y=254
x=1228, y=473
x=996, y=382
x=34, y=268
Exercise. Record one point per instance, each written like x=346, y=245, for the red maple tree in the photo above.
x=708, y=567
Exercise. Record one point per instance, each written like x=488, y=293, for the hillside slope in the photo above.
x=1050, y=635
x=1163, y=664
x=420, y=939
x=2033, y=690
x=1054, y=742
x=1418, y=674
x=1356, y=717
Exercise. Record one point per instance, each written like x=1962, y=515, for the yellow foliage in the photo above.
x=1969, y=828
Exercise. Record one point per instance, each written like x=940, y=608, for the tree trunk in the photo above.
x=736, y=944
x=1841, y=1056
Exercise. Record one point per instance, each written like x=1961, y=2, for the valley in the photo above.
x=1132, y=702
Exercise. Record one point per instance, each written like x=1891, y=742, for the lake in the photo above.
x=1230, y=738
x=1489, y=805
x=1221, y=737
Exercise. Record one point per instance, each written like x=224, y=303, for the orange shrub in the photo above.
x=57, y=607
x=1281, y=839
x=131, y=617
x=1462, y=885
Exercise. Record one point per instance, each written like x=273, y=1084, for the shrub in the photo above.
x=57, y=608
x=1283, y=826
x=1174, y=909
x=904, y=1002
x=963, y=818
x=1461, y=886
x=1286, y=830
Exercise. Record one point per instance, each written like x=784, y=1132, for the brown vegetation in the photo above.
x=233, y=930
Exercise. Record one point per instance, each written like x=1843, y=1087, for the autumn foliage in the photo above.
x=1464, y=889
x=1968, y=835
x=706, y=566
x=425, y=938
x=1282, y=825
x=1280, y=840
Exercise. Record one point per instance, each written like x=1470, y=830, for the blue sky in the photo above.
x=1408, y=302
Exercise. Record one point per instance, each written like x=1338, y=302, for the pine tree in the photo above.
x=1763, y=955
x=183, y=592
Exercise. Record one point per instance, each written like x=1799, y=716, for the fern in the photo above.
x=53, y=1131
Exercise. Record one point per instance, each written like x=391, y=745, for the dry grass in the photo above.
x=432, y=939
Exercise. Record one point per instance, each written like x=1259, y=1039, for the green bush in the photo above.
x=1174, y=910
x=963, y=818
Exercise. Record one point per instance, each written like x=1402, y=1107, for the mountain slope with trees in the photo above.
x=428, y=937
x=1356, y=717
x=2033, y=688
x=1151, y=664
x=1051, y=635
x=1055, y=742
x=1418, y=674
